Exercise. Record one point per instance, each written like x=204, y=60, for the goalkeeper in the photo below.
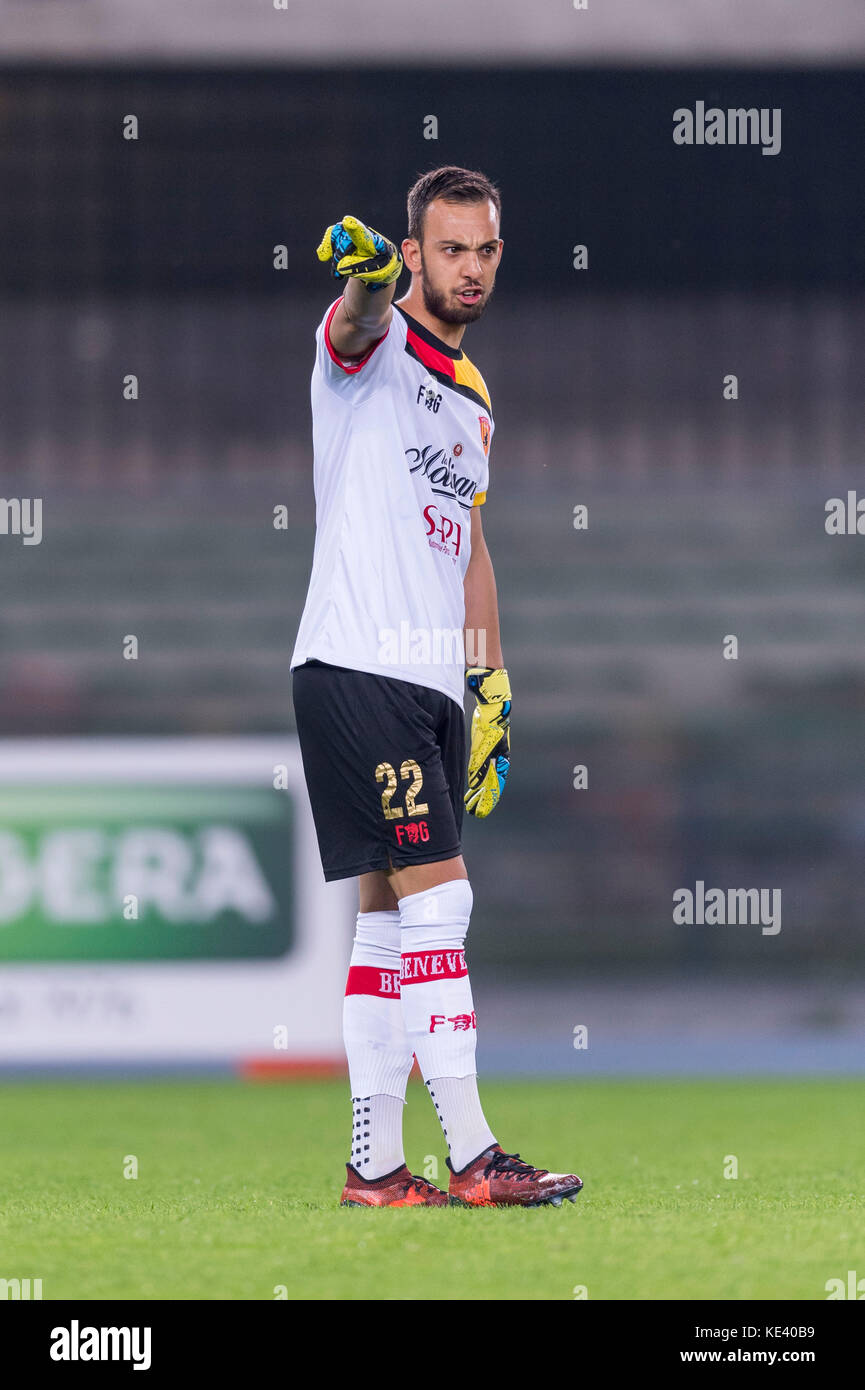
x=402, y=425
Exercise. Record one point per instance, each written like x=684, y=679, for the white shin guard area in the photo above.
x=437, y=1004
x=376, y=1044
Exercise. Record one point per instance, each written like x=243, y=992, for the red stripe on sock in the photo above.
x=417, y=966
x=368, y=979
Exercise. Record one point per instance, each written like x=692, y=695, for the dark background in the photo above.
x=706, y=516
x=228, y=162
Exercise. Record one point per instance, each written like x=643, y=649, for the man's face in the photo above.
x=457, y=259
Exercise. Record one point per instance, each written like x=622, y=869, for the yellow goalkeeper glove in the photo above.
x=490, y=755
x=360, y=253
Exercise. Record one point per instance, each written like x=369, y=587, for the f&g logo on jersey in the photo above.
x=428, y=396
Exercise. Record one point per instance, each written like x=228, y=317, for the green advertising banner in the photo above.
x=145, y=871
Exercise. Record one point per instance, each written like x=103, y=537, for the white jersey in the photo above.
x=401, y=440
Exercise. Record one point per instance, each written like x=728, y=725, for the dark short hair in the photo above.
x=453, y=185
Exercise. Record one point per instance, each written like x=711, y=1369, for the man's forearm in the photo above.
x=483, y=646
x=361, y=318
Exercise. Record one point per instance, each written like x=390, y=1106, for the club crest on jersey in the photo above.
x=485, y=433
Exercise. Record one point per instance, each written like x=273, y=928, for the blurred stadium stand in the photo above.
x=452, y=33
x=706, y=516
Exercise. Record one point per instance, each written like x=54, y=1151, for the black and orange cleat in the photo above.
x=497, y=1179
x=397, y=1189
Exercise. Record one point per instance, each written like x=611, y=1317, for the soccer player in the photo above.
x=401, y=612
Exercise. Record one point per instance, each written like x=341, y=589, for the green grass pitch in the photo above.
x=238, y=1186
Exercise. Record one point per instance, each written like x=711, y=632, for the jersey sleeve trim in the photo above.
x=479, y=499
x=354, y=366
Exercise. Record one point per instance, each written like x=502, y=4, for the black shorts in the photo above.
x=385, y=766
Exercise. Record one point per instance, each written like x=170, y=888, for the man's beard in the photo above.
x=442, y=308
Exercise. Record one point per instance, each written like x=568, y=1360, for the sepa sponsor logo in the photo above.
x=437, y=466
x=77, y=1343
x=443, y=533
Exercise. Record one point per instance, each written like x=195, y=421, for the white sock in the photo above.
x=439, y=1012
x=377, y=1047
x=376, y=1139
x=464, y=1126
x=436, y=995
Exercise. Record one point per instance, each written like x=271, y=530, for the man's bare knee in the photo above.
x=417, y=878
x=375, y=893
